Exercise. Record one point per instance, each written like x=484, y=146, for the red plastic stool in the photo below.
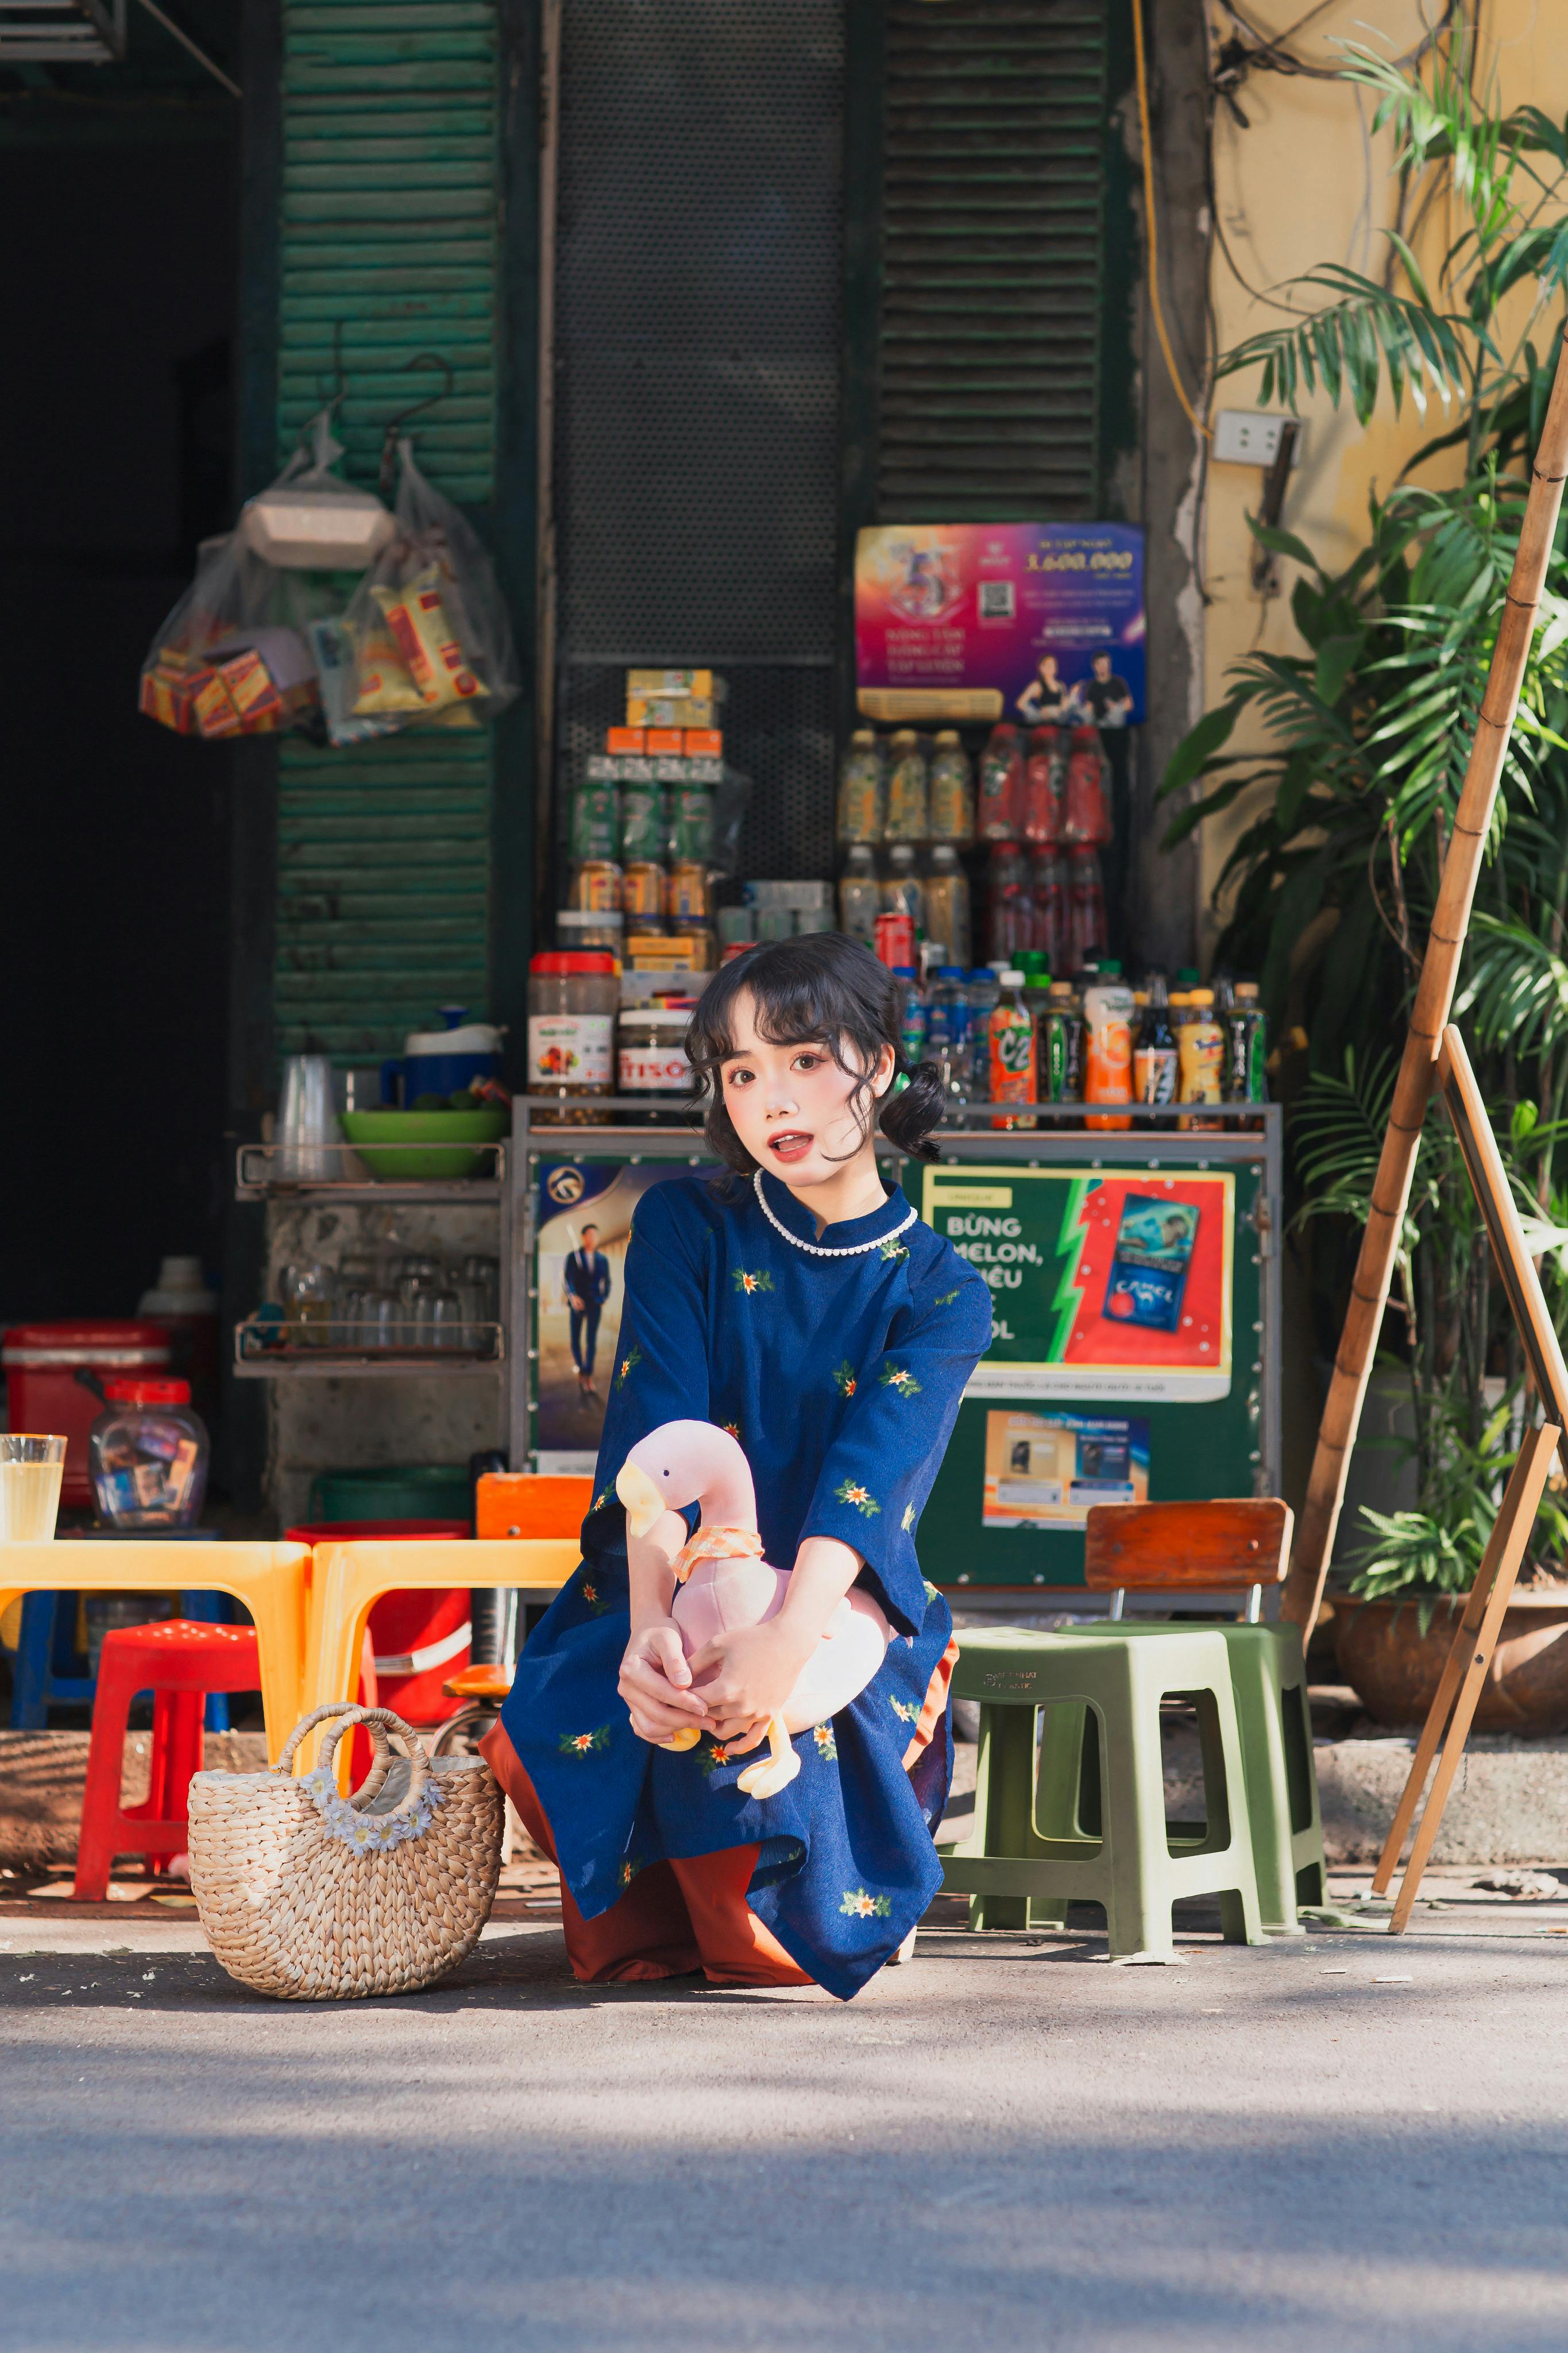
x=179, y=1662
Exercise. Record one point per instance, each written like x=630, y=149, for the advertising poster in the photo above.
x=583, y=1216
x=1040, y=624
x=1113, y=1284
x=1044, y=1471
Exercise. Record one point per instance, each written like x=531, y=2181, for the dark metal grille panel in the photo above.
x=993, y=197
x=697, y=328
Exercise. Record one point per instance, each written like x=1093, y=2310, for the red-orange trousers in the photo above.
x=678, y=1918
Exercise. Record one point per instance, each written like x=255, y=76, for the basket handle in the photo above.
x=378, y=1722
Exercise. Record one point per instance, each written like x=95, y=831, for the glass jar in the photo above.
x=651, y=1049
x=577, y=927
x=572, y=1001
x=147, y=1455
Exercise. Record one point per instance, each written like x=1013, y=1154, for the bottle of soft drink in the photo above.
x=1086, y=803
x=952, y=995
x=1200, y=1051
x=916, y=1014
x=902, y=890
x=1154, y=1055
x=1108, y=1041
x=1011, y=1051
x=862, y=789
x=1044, y=773
x=947, y=902
x=860, y=893
x=1059, y=1046
x=1048, y=890
x=952, y=794
x=1010, y=909
x=908, y=793
x=1085, y=906
x=1001, y=811
x=1248, y=1033
x=982, y=990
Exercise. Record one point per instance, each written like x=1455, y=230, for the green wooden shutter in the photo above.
x=389, y=239
x=994, y=170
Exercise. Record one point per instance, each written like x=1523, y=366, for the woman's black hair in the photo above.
x=824, y=990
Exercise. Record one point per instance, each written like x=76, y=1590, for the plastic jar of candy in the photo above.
x=147, y=1455
x=572, y=994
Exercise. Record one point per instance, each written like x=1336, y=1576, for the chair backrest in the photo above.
x=1213, y=1548
x=530, y=1504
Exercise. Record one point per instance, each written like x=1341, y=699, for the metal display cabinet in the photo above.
x=1177, y=1427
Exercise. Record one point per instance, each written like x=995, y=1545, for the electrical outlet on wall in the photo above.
x=1248, y=437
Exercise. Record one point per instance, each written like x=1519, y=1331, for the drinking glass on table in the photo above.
x=30, y=1473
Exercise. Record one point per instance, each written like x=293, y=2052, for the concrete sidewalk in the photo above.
x=1007, y=2142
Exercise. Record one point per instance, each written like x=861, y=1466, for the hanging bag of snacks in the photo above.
x=426, y=631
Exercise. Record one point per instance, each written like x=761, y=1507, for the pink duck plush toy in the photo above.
x=724, y=1583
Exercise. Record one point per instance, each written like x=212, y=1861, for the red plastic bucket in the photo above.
x=419, y=1639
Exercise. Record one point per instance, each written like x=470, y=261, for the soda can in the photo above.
x=688, y=894
x=642, y=891
x=896, y=938
x=642, y=823
x=593, y=821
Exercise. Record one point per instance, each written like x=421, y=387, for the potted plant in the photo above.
x=1348, y=800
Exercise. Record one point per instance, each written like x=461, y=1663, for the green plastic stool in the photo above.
x=1103, y=1838
x=1268, y=1683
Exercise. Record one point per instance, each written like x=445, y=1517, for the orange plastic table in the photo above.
x=270, y=1578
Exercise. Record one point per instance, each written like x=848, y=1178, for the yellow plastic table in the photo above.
x=272, y=1579
x=348, y=1578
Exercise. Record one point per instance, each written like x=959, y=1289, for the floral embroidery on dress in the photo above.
x=583, y=1744
x=892, y=1251
x=907, y=1523
x=733, y=1429
x=859, y=1906
x=630, y=1868
x=711, y=1755
x=589, y=1593
x=749, y=1282
x=845, y=1377
x=946, y=1300
x=897, y=1377
x=626, y=1367
x=905, y=1710
x=865, y=1502
x=827, y=1742
x=600, y=1501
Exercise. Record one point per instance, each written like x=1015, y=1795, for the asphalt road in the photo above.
x=1008, y=2143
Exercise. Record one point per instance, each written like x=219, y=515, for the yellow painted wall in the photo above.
x=1308, y=183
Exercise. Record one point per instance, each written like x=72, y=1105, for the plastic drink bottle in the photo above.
x=954, y=996
x=1012, y=1051
x=1045, y=773
x=1086, y=802
x=1154, y=1057
x=1200, y=1050
x=860, y=893
x=909, y=804
x=1001, y=813
x=912, y=1034
x=982, y=989
x=952, y=796
x=1247, y=1063
x=1059, y=1047
x=1009, y=908
x=861, y=789
x=1085, y=906
x=1048, y=890
x=1108, y=1041
x=947, y=902
x=902, y=890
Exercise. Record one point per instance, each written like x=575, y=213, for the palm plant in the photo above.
x=1350, y=797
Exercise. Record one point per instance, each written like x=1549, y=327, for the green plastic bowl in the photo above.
x=445, y=1129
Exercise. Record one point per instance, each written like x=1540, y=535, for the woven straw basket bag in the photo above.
x=316, y=1897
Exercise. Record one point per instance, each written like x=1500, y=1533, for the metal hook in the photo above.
x=395, y=424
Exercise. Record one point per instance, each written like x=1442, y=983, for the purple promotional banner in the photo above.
x=1040, y=623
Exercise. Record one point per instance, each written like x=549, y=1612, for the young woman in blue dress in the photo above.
x=799, y=1304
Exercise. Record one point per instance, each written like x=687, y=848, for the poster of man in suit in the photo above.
x=581, y=1219
x=586, y=1282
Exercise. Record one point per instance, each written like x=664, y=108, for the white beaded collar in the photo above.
x=848, y=1250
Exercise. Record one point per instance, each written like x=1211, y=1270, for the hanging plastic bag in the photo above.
x=309, y=519
x=431, y=642
x=231, y=659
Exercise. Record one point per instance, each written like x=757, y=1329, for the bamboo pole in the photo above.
x=1434, y=1000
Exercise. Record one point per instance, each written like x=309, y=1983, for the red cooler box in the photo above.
x=44, y=1396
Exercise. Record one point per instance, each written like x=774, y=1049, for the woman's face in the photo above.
x=790, y=1106
x=1048, y=670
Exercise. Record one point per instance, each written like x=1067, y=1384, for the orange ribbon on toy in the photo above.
x=716, y=1544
